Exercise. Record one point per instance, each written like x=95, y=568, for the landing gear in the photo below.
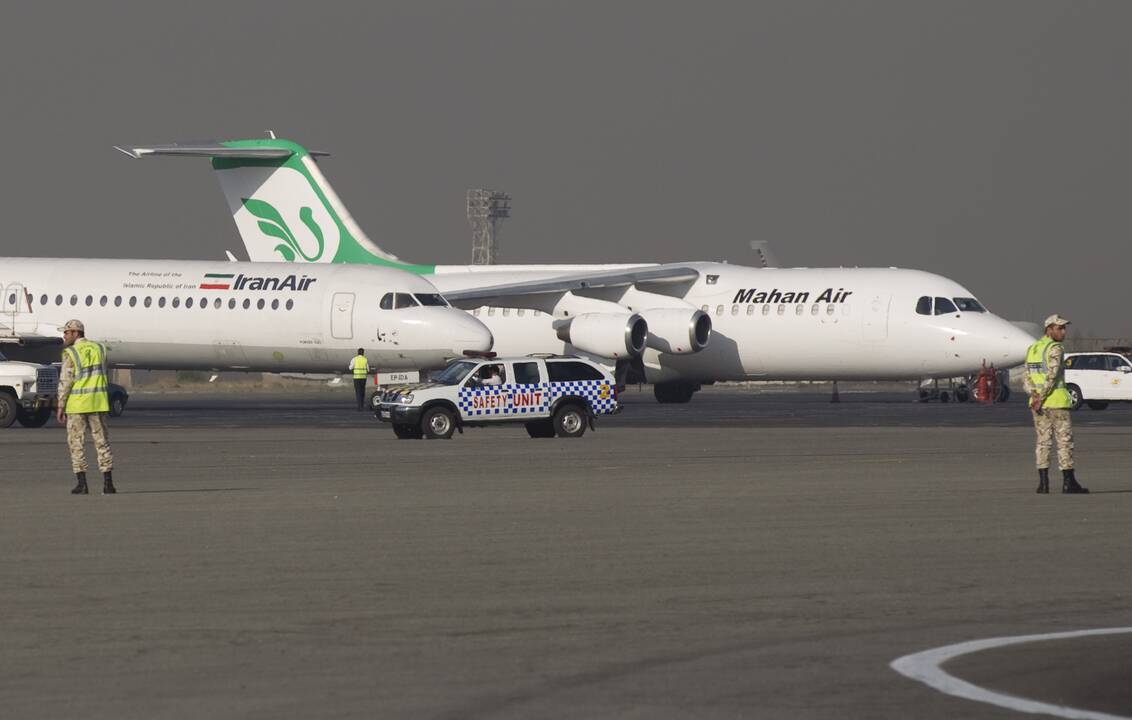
x=674, y=392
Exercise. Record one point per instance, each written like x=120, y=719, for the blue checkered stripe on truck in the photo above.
x=517, y=400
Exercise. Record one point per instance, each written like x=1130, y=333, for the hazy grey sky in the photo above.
x=986, y=140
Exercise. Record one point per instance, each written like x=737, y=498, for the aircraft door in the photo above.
x=342, y=316
x=874, y=318
x=14, y=307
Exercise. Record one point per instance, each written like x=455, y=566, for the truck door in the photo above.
x=529, y=390
x=342, y=316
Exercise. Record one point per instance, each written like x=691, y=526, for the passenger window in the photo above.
x=750, y=309
x=814, y=309
x=176, y=302
x=506, y=312
x=232, y=304
x=43, y=300
x=568, y=370
x=188, y=302
x=117, y=301
x=781, y=309
x=290, y=304
x=943, y=306
x=160, y=302
x=924, y=306
x=259, y=305
x=830, y=308
x=133, y=301
x=274, y=304
x=74, y=299
x=718, y=309
x=766, y=309
x=520, y=312
x=526, y=373
x=799, y=309
x=89, y=300
x=705, y=308
x=386, y=301
x=1115, y=363
x=247, y=303
x=491, y=312
x=734, y=309
x=148, y=301
x=58, y=299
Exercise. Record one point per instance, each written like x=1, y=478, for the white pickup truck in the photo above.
x=27, y=393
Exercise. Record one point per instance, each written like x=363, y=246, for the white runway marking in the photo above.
x=925, y=667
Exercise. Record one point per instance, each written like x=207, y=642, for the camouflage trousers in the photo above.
x=76, y=437
x=1053, y=425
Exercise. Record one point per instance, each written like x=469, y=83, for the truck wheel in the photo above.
x=406, y=432
x=438, y=424
x=117, y=405
x=34, y=419
x=570, y=421
x=1076, y=400
x=540, y=428
x=9, y=409
x=1097, y=404
x=961, y=394
x=375, y=401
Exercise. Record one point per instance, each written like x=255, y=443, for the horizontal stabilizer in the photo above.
x=212, y=149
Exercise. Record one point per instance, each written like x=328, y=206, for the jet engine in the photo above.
x=610, y=335
x=676, y=330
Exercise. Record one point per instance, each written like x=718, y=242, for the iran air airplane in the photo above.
x=676, y=325
x=274, y=317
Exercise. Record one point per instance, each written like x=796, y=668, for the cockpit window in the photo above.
x=454, y=373
x=924, y=306
x=396, y=301
x=969, y=305
x=943, y=306
x=429, y=299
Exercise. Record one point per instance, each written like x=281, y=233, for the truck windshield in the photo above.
x=454, y=373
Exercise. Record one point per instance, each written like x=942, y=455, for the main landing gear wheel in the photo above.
x=117, y=405
x=34, y=419
x=570, y=421
x=438, y=424
x=406, y=432
x=674, y=392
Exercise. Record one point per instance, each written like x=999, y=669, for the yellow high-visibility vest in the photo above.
x=1037, y=364
x=360, y=367
x=89, y=391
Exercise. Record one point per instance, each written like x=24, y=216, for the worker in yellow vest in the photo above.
x=359, y=366
x=1050, y=404
x=84, y=402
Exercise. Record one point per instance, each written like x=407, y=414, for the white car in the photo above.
x=1098, y=378
x=550, y=395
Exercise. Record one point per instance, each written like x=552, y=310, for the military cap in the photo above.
x=1055, y=319
x=73, y=325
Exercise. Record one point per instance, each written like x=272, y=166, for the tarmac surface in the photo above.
x=747, y=555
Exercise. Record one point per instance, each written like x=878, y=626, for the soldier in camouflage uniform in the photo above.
x=1050, y=405
x=84, y=402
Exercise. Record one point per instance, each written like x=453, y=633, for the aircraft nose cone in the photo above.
x=470, y=334
x=1009, y=345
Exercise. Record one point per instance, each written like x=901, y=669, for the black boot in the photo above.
x=108, y=484
x=1069, y=483
x=1043, y=481
x=80, y=488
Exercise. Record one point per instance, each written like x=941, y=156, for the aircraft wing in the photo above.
x=655, y=275
x=209, y=149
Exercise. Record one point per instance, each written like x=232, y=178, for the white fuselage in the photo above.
x=772, y=323
x=276, y=317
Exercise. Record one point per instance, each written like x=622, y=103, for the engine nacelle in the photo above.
x=677, y=331
x=610, y=335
